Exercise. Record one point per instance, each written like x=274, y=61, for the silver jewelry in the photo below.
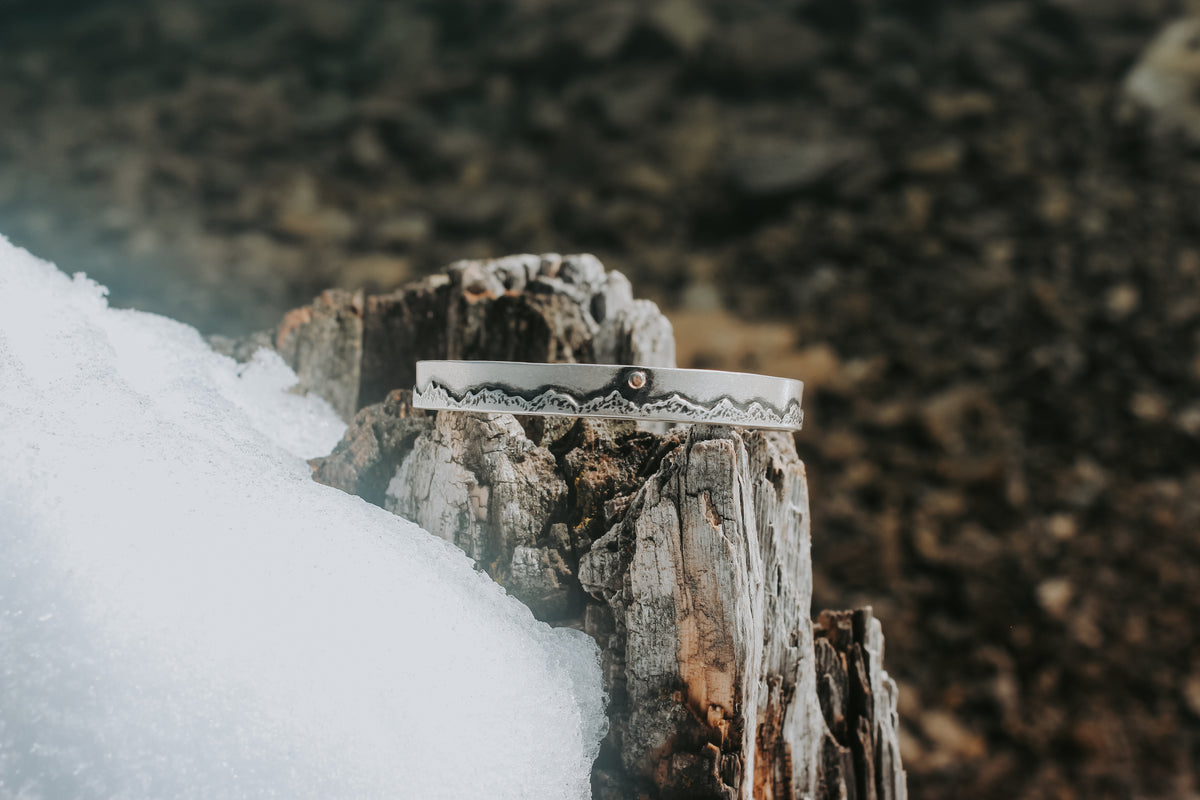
x=616, y=392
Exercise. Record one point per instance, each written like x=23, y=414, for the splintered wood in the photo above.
x=685, y=554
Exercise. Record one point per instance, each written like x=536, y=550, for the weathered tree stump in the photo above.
x=685, y=554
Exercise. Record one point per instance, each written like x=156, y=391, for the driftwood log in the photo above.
x=685, y=553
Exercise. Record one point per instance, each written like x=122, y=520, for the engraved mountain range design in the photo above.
x=675, y=408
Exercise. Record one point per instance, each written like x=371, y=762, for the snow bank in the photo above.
x=185, y=613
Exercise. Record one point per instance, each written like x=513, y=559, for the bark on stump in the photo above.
x=685, y=554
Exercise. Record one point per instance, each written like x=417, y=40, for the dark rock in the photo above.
x=768, y=166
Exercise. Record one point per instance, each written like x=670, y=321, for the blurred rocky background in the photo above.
x=973, y=229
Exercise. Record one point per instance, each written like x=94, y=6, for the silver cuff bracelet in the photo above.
x=612, y=391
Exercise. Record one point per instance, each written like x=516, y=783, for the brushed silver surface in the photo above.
x=613, y=391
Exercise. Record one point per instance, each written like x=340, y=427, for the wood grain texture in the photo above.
x=685, y=553
x=353, y=350
x=322, y=342
x=376, y=442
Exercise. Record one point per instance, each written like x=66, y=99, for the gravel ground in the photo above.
x=942, y=216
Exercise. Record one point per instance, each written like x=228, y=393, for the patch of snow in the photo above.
x=184, y=613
